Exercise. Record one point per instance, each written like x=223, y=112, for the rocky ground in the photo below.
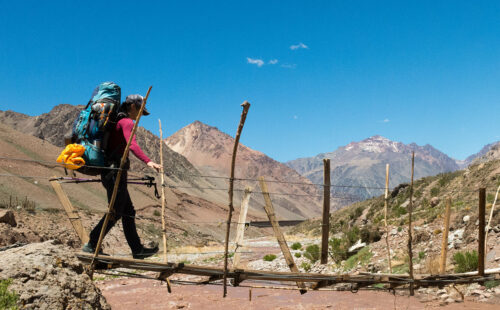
x=48, y=276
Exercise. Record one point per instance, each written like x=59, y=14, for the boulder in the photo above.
x=7, y=217
x=356, y=247
x=48, y=276
x=466, y=219
x=435, y=201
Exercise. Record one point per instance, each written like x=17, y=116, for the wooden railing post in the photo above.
x=268, y=207
x=410, y=250
x=444, y=243
x=325, y=227
x=385, y=217
x=246, y=106
x=240, y=229
x=482, y=211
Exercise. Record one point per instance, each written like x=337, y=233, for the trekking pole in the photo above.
x=246, y=106
x=117, y=183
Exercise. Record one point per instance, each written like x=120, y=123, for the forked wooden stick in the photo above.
x=246, y=106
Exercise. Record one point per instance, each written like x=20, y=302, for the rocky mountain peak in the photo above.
x=374, y=144
x=210, y=150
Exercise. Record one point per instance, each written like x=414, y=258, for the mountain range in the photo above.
x=197, y=162
x=358, y=168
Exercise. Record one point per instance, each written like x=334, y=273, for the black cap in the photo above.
x=137, y=100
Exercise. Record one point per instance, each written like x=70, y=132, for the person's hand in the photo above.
x=154, y=165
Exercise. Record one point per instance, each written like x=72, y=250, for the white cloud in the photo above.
x=386, y=120
x=299, y=46
x=258, y=62
x=273, y=61
x=289, y=66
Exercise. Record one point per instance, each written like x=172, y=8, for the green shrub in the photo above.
x=298, y=255
x=305, y=266
x=296, y=246
x=8, y=300
x=363, y=257
x=370, y=234
x=338, y=249
x=356, y=213
x=421, y=255
x=399, y=210
x=352, y=235
x=156, y=213
x=269, y=257
x=312, y=253
x=434, y=191
x=491, y=284
x=465, y=261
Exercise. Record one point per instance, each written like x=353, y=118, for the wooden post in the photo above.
x=410, y=251
x=246, y=106
x=325, y=227
x=71, y=212
x=240, y=230
x=482, y=211
x=163, y=201
x=385, y=217
x=268, y=206
x=165, y=259
x=117, y=182
x=489, y=220
x=444, y=243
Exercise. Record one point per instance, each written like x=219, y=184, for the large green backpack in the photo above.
x=93, y=126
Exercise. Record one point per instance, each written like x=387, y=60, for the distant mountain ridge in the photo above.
x=360, y=166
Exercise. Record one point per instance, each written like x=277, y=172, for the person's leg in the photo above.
x=108, y=181
x=128, y=221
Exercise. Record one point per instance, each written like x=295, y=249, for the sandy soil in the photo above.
x=149, y=294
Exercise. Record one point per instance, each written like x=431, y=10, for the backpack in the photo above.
x=94, y=124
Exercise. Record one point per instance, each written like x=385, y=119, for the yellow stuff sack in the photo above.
x=71, y=156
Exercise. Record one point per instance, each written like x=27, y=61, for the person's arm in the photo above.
x=127, y=126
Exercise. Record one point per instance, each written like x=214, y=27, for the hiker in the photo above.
x=123, y=207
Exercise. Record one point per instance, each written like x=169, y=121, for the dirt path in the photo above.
x=149, y=294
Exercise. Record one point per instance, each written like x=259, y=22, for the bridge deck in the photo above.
x=361, y=279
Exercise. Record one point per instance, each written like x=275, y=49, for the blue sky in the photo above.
x=319, y=74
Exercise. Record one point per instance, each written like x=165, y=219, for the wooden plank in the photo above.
x=444, y=243
x=325, y=226
x=268, y=206
x=71, y=212
x=240, y=229
x=242, y=274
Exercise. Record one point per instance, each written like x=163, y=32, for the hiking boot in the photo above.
x=145, y=252
x=89, y=248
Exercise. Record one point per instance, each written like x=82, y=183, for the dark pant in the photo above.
x=123, y=208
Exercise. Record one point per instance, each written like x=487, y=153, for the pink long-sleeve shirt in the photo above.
x=119, y=138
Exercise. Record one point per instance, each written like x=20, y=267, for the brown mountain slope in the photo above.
x=210, y=151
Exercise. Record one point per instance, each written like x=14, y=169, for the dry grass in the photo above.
x=432, y=264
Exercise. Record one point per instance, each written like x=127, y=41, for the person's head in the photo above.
x=132, y=105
